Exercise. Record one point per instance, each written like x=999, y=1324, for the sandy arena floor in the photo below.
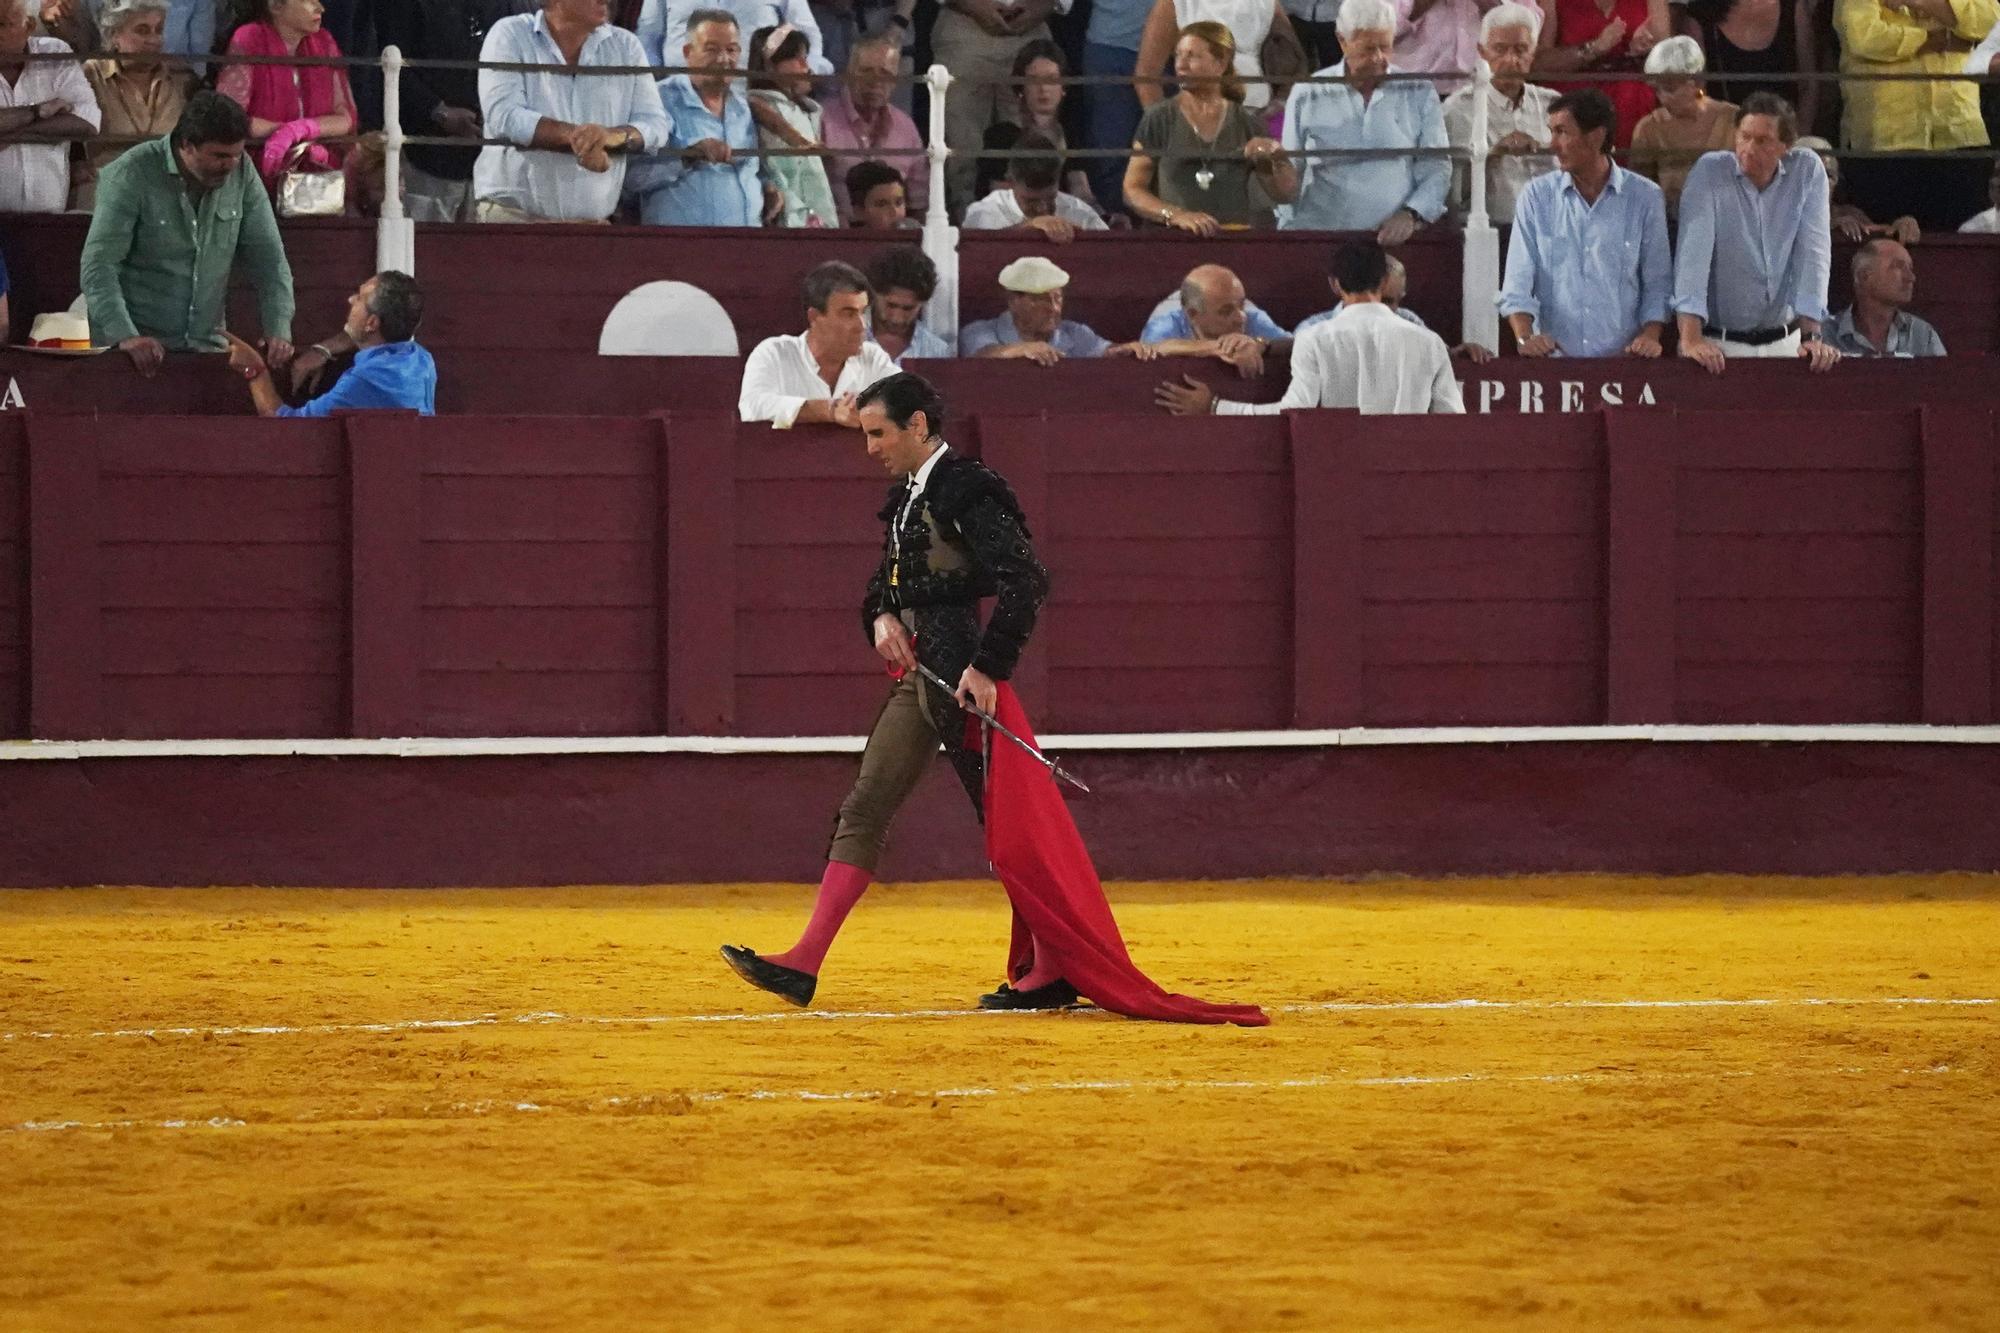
x=239, y=1109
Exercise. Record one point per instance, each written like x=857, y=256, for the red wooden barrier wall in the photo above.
x=547, y=289
x=385, y=575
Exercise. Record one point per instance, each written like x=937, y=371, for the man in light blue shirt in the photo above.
x=1212, y=316
x=574, y=132
x=1756, y=246
x=1391, y=196
x=1588, y=268
x=663, y=26
x=1033, y=328
x=700, y=181
x=391, y=372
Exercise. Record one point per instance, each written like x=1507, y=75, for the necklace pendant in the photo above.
x=1204, y=177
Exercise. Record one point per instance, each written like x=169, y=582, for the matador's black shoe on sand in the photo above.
x=786, y=983
x=1057, y=994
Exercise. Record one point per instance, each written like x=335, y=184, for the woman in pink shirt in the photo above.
x=290, y=104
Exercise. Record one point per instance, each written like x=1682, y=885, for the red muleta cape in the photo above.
x=1058, y=900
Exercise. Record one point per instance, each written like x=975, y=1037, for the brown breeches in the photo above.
x=899, y=750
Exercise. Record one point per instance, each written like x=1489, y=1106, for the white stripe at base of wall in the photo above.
x=471, y=747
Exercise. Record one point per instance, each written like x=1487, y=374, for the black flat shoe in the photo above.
x=788, y=984
x=1058, y=994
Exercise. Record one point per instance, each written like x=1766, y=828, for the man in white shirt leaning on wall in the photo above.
x=815, y=376
x=1365, y=357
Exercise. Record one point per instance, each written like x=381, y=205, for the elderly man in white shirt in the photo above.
x=1392, y=195
x=44, y=105
x=1517, y=114
x=1365, y=357
x=800, y=378
x=574, y=132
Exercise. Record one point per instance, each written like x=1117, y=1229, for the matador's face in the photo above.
x=901, y=450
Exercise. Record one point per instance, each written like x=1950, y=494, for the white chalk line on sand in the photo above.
x=555, y=1019
x=680, y=1101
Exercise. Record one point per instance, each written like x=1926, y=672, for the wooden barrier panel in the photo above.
x=500, y=383
x=384, y=575
x=545, y=289
x=1481, y=571
x=14, y=606
x=1799, y=559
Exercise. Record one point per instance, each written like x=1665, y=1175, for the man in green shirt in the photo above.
x=173, y=217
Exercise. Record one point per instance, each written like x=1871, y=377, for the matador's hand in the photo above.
x=977, y=688
x=893, y=642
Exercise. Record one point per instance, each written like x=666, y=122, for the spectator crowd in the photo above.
x=1199, y=119
x=795, y=114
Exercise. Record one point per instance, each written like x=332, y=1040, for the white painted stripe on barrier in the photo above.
x=419, y=747
x=667, y=1100
x=553, y=1019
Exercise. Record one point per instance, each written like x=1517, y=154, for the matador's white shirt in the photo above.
x=1365, y=357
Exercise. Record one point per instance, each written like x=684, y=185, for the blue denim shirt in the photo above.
x=709, y=194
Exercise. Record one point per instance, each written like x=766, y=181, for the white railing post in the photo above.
x=940, y=237
x=395, y=235
x=1480, y=286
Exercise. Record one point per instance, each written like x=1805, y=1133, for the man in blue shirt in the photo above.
x=1211, y=316
x=1588, y=269
x=1391, y=196
x=1756, y=246
x=391, y=371
x=1033, y=328
x=698, y=181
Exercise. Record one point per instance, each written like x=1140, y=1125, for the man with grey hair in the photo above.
x=1517, y=113
x=568, y=137
x=1442, y=37
x=1212, y=316
x=45, y=105
x=701, y=181
x=1878, y=323
x=815, y=376
x=663, y=26
x=392, y=372
x=1391, y=195
x=189, y=29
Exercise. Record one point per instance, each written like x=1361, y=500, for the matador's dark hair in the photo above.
x=1359, y=266
x=902, y=396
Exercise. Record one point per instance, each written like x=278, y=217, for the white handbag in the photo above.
x=308, y=193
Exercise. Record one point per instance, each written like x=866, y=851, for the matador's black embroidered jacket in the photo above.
x=965, y=538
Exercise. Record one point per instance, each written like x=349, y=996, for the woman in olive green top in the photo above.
x=1197, y=153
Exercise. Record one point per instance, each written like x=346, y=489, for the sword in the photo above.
x=995, y=723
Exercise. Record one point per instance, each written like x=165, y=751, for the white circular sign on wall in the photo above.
x=668, y=319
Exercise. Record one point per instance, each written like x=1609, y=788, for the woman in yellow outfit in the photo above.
x=1914, y=37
